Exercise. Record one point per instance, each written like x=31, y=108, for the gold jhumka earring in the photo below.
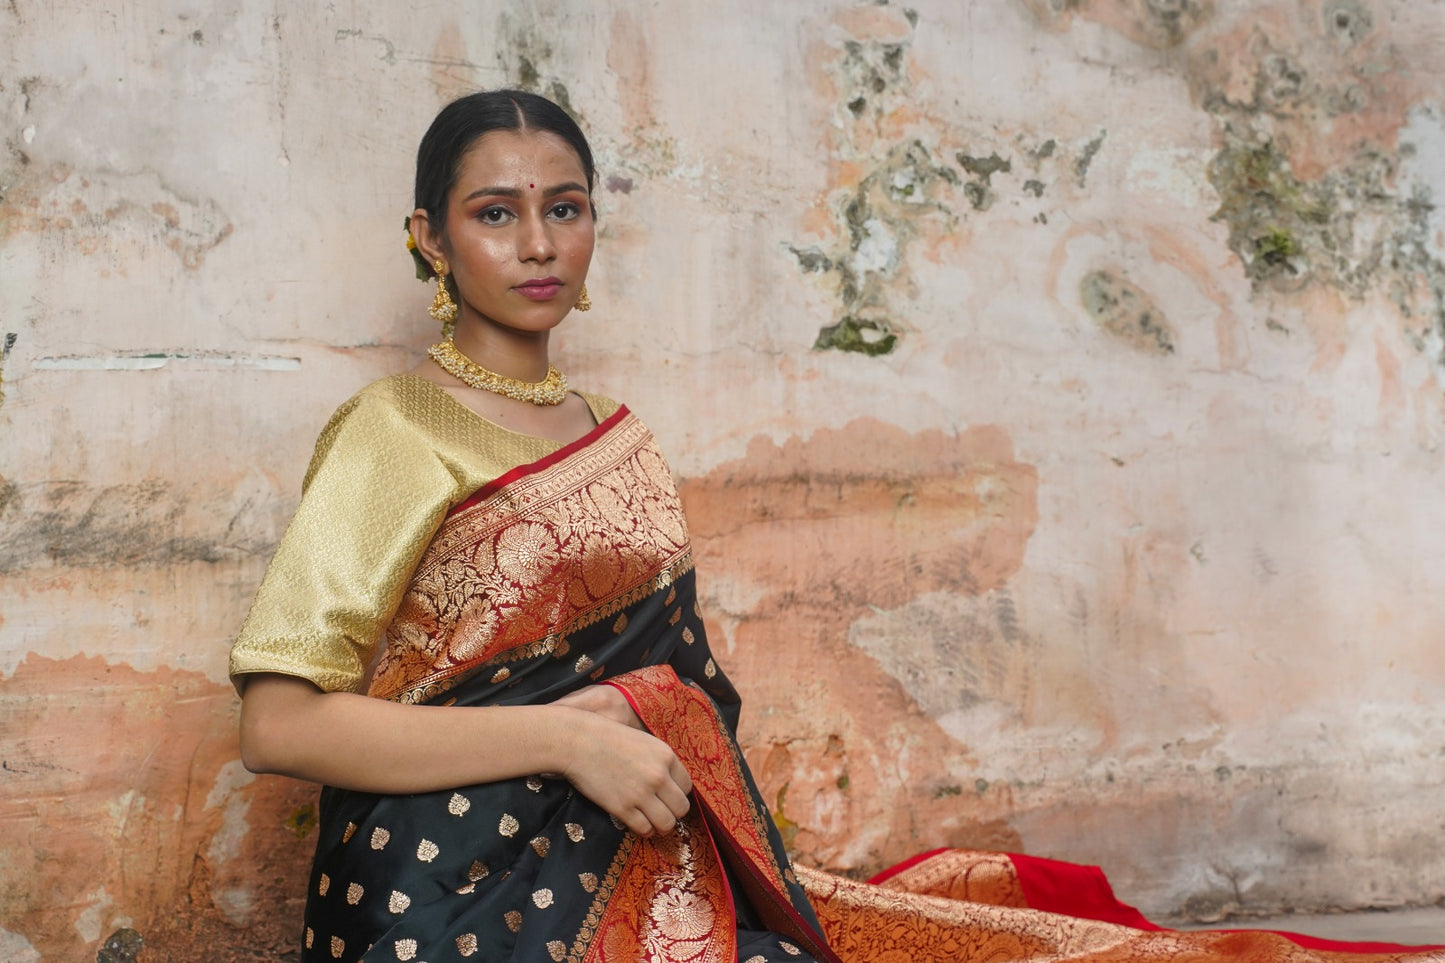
x=443, y=308
x=584, y=303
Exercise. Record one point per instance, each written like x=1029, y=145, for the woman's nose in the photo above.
x=535, y=243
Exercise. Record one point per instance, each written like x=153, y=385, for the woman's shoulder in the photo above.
x=602, y=406
x=399, y=401
x=392, y=415
x=406, y=393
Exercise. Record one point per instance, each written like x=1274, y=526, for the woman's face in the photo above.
x=519, y=233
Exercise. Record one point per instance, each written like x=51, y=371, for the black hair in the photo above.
x=461, y=122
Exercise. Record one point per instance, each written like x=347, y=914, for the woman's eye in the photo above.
x=565, y=211
x=493, y=215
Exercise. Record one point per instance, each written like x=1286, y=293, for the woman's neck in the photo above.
x=516, y=354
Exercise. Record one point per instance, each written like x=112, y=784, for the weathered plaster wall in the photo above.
x=1057, y=386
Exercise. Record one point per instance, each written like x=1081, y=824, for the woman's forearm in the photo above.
x=290, y=727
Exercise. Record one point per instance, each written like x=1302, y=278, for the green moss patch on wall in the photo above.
x=1314, y=118
x=861, y=335
x=1351, y=229
x=1123, y=310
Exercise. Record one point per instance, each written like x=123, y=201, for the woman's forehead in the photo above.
x=510, y=156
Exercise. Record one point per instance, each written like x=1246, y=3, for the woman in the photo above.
x=544, y=764
x=502, y=566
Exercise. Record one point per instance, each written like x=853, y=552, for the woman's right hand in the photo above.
x=630, y=773
x=351, y=741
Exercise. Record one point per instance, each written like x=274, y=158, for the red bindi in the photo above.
x=532, y=185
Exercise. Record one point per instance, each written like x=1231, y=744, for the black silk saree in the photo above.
x=570, y=571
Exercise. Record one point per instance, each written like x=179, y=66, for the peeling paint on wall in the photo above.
x=527, y=58
x=905, y=191
x=880, y=219
x=1160, y=24
x=1309, y=174
x=156, y=360
x=1349, y=229
x=880, y=213
x=99, y=209
x=80, y=729
x=79, y=525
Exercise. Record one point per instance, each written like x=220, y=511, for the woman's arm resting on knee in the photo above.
x=290, y=727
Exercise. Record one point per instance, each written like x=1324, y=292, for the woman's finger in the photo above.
x=659, y=816
x=676, y=802
x=679, y=775
x=636, y=821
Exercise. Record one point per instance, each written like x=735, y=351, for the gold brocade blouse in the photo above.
x=387, y=468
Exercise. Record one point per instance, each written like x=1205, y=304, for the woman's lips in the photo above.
x=543, y=289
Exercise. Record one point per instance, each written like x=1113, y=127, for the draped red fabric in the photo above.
x=949, y=905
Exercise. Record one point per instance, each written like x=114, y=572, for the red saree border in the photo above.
x=687, y=721
x=541, y=464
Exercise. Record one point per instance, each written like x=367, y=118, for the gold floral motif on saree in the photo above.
x=538, y=555
x=663, y=900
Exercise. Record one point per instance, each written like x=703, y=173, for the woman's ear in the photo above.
x=428, y=241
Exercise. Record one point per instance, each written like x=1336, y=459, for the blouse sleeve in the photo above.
x=374, y=495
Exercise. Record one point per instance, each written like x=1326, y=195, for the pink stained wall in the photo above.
x=1127, y=548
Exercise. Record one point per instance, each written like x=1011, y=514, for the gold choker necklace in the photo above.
x=551, y=390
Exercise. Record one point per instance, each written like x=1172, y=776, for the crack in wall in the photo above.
x=5, y=348
x=156, y=360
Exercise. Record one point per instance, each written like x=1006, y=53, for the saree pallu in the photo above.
x=570, y=571
x=951, y=905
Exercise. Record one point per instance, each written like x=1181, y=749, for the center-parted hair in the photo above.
x=461, y=122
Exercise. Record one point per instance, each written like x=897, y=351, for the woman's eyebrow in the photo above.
x=516, y=192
